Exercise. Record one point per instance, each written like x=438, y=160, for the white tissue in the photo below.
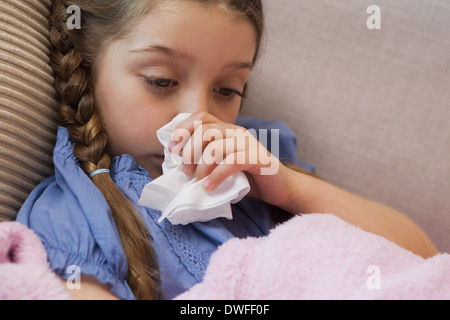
x=181, y=198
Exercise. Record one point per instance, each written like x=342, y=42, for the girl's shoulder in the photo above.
x=75, y=223
x=67, y=203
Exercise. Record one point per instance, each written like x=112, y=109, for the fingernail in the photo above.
x=172, y=145
x=187, y=170
x=207, y=184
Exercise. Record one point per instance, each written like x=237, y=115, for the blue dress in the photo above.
x=76, y=226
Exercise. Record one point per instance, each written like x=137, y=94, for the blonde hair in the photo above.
x=73, y=58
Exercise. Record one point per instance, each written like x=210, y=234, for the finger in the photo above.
x=193, y=150
x=213, y=155
x=186, y=129
x=238, y=141
x=228, y=167
x=203, y=136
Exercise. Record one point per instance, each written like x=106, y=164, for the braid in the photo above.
x=74, y=87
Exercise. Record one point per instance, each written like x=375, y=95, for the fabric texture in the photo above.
x=75, y=224
x=331, y=260
x=28, y=113
x=24, y=271
x=370, y=108
x=319, y=256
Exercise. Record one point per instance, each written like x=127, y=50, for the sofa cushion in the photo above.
x=28, y=112
x=370, y=108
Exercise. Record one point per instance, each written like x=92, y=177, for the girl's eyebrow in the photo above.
x=174, y=53
x=164, y=50
x=240, y=66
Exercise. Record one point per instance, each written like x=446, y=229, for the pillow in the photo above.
x=28, y=109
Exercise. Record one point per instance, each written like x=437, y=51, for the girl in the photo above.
x=132, y=67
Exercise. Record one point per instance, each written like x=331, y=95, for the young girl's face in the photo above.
x=181, y=57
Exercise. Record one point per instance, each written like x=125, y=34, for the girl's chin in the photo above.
x=153, y=165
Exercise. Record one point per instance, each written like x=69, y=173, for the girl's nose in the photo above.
x=197, y=101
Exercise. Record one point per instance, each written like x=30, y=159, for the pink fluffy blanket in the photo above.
x=310, y=257
x=321, y=257
x=24, y=270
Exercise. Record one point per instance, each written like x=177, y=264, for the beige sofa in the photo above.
x=370, y=108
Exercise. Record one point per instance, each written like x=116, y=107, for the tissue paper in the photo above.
x=181, y=198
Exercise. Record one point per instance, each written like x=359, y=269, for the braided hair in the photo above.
x=73, y=57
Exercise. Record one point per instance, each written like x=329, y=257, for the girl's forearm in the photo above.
x=312, y=195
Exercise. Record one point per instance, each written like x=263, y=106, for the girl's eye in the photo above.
x=160, y=83
x=228, y=92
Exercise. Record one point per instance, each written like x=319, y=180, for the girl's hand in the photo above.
x=234, y=149
x=215, y=149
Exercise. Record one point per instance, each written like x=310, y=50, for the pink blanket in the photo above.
x=310, y=257
x=24, y=271
x=321, y=257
